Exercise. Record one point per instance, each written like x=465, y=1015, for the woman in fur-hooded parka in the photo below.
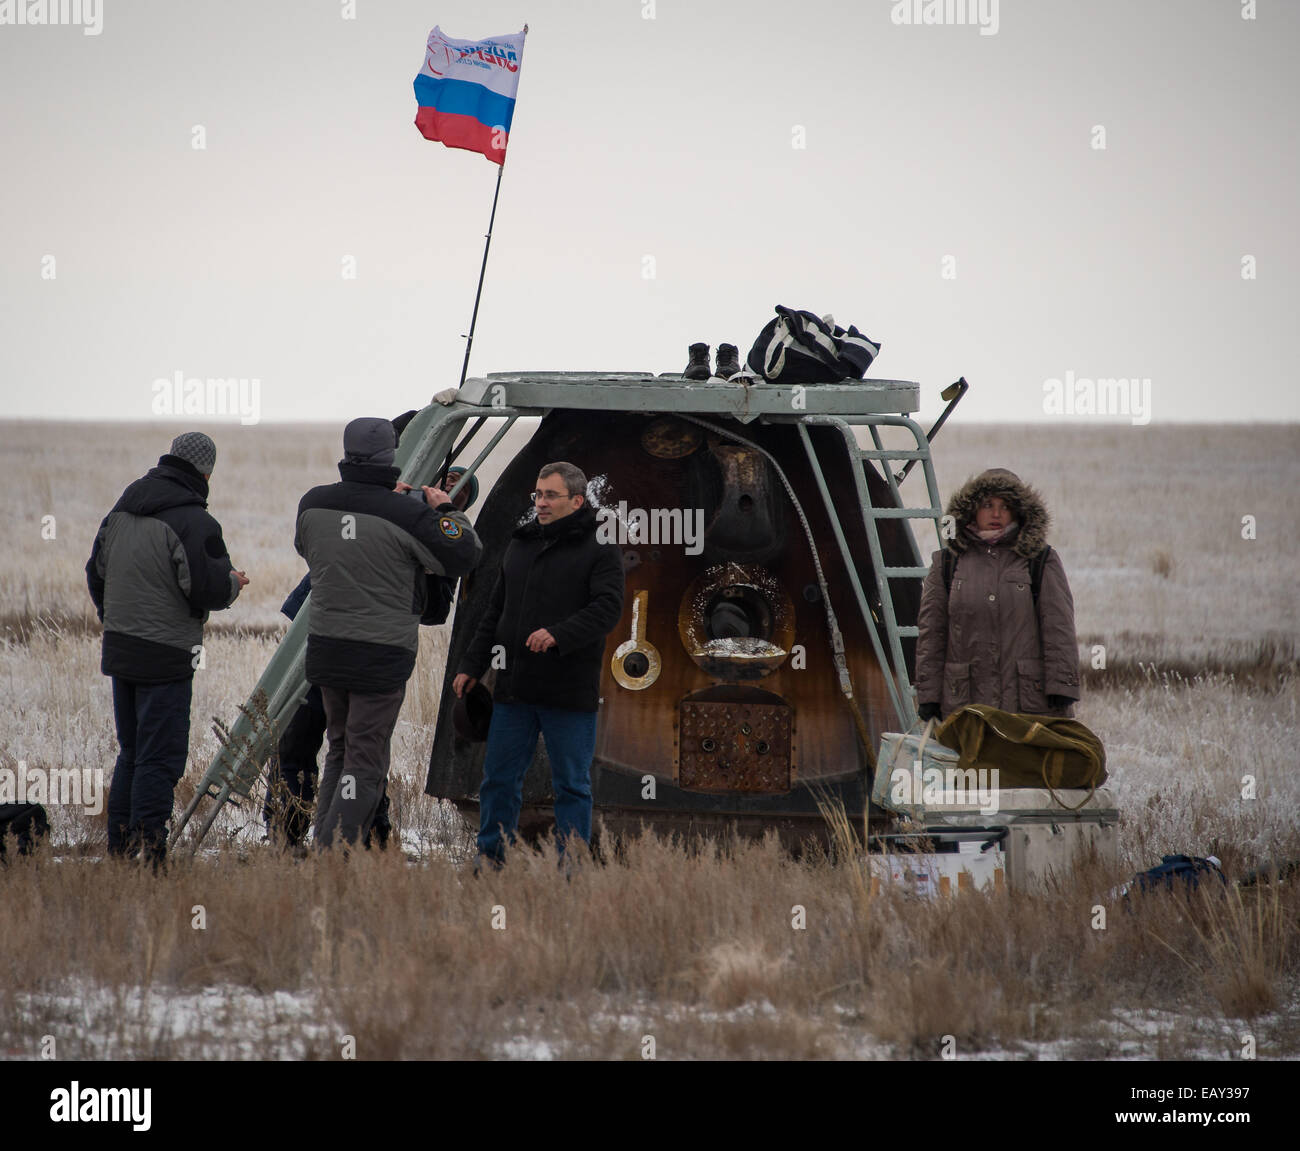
x=984, y=640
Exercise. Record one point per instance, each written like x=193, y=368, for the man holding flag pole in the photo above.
x=466, y=93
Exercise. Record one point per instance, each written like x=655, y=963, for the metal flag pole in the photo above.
x=487, y=243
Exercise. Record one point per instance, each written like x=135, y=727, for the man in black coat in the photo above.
x=157, y=568
x=559, y=594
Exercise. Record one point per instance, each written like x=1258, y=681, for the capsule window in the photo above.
x=738, y=612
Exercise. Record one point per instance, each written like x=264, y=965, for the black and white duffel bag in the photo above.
x=802, y=348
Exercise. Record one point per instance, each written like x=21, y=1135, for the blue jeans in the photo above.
x=153, y=732
x=570, y=743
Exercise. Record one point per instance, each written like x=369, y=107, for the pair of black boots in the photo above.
x=698, y=367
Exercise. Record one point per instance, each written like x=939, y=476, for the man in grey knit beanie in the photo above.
x=197, y=449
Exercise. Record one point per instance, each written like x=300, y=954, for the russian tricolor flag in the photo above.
x=466, y=92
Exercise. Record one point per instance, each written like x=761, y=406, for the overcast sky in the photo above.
x=745, y=153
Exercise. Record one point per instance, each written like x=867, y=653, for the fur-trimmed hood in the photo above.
x=1030, y=511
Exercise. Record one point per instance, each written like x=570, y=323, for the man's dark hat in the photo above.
x=369, y=440
x=472, y=714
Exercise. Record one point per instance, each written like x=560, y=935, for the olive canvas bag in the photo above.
x=1027, y=750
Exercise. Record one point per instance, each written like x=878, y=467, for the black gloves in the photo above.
x=1060, y=702
x=928, y=711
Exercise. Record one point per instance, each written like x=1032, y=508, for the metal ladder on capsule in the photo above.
x=880, y=457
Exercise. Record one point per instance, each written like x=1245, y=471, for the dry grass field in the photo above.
x=243, y=953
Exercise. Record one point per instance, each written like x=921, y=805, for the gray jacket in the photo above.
x=368, y=550
x=157, y=568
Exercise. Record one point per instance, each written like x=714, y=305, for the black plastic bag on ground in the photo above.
x=1175, y=873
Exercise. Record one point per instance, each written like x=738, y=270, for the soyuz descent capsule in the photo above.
x=744, y=679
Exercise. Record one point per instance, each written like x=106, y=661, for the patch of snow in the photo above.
x=740, y=647
x=218, y=1022
x=522, y=1047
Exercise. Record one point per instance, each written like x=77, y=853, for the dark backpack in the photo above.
x=26, y=822
x=1036, y=566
